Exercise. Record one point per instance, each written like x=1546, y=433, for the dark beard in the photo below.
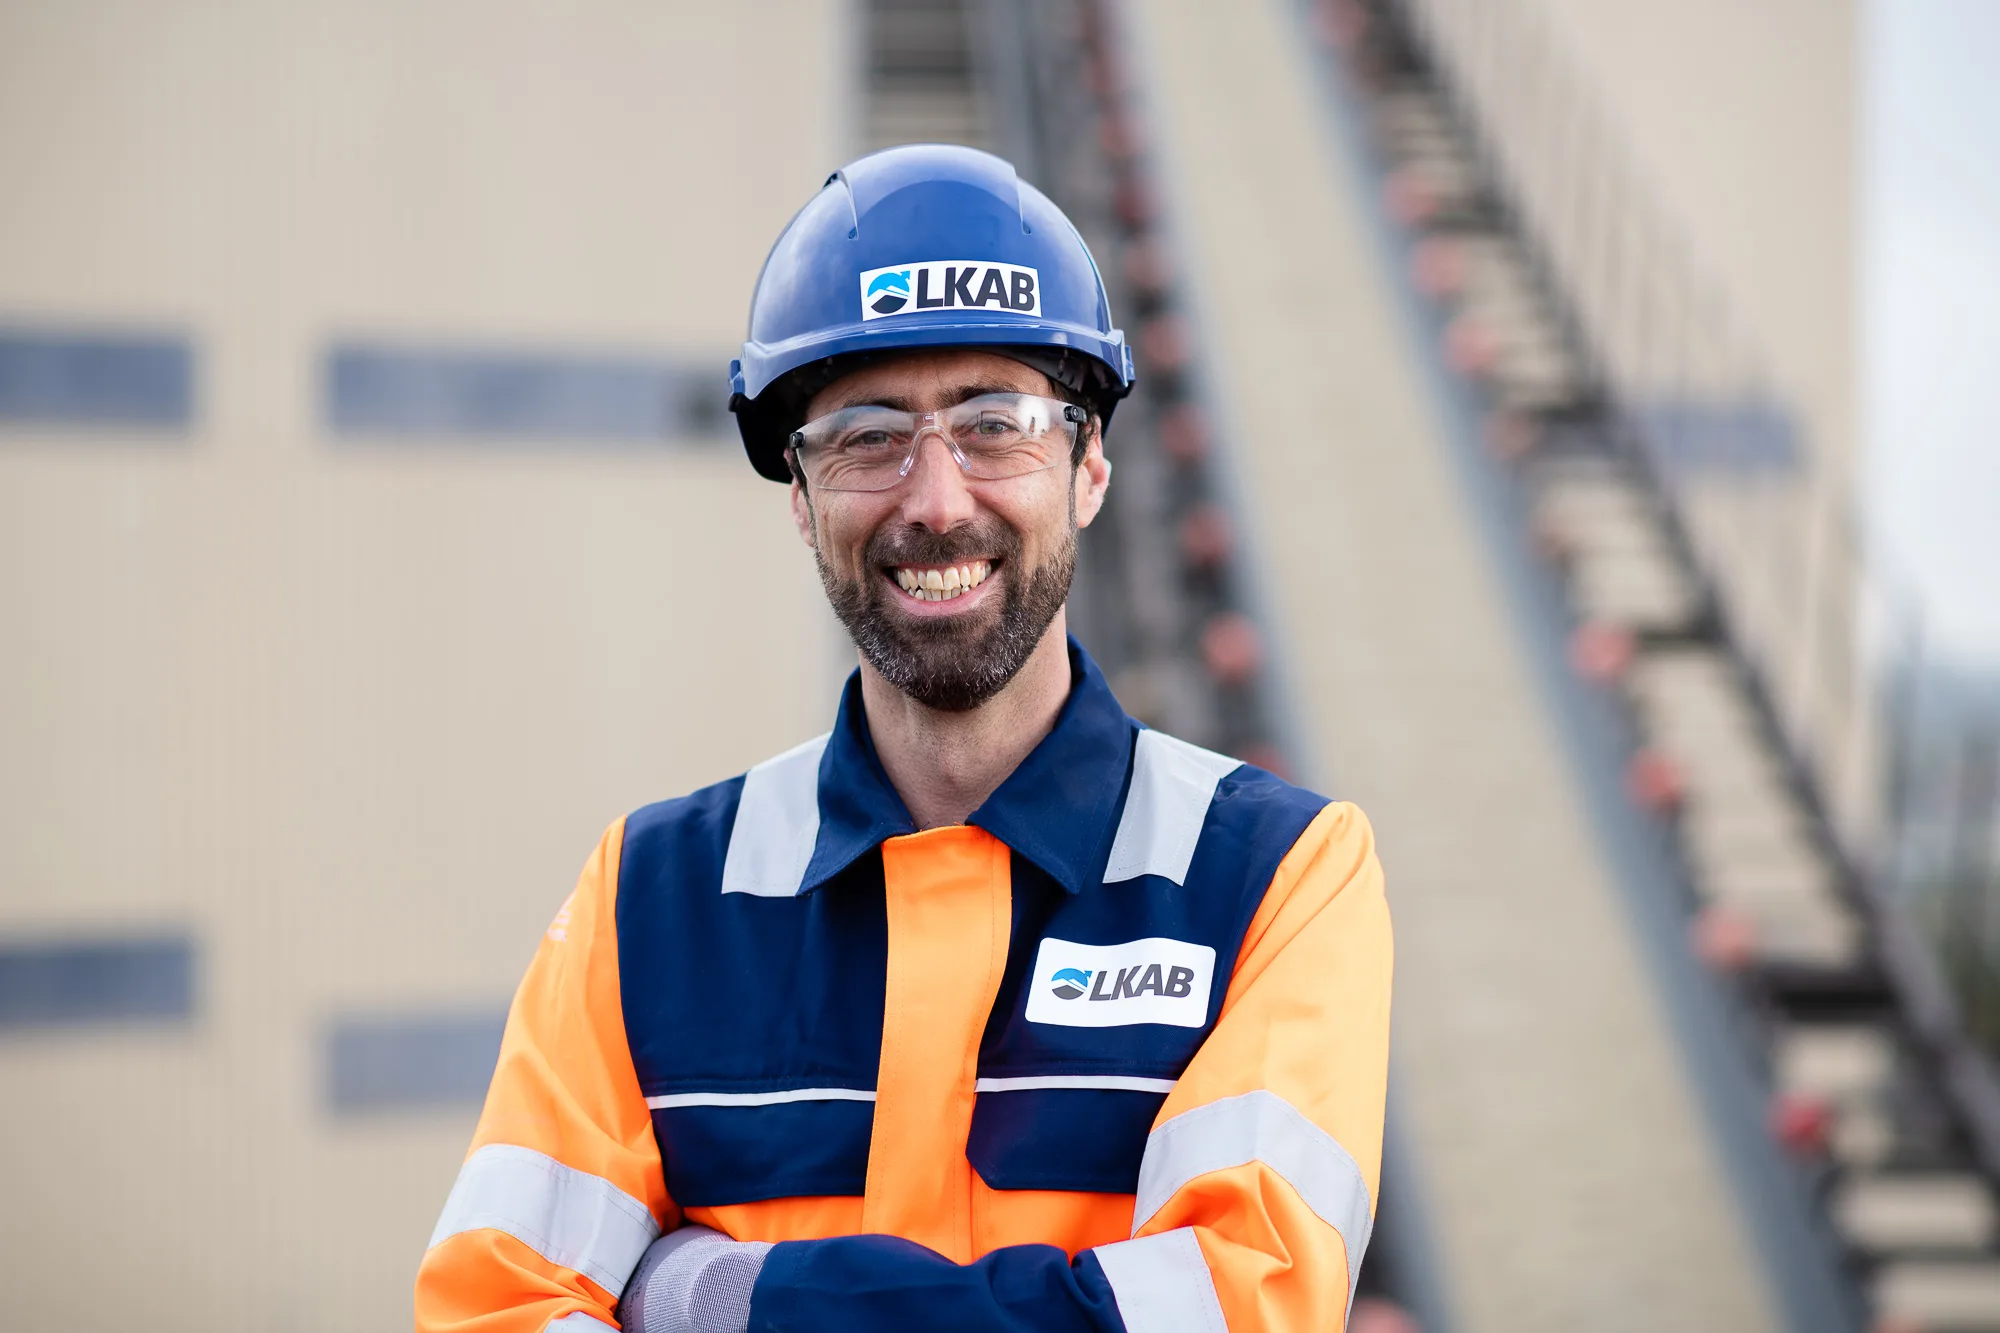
x=946, y=663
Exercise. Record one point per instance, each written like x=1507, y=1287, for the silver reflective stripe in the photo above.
x=777, y=824
x=1112, y=1082
x=761, y=1098
x=1262, y=1127
x=1172, y=785
x=571, y=1218
x=576, y=1321
x=1162, y=1283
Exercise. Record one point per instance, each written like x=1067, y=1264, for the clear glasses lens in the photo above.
x=992, y=438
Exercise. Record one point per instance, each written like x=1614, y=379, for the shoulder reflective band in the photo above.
x=1165, y=807
x=1162, y=1284
x=571, y=1218
x=1099, y=1082
x=672, y=1099
x=777, y=824
x=1261, y=1127
x=576, y=1321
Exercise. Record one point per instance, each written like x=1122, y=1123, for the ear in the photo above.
x=802, y=515
x=1093, y=477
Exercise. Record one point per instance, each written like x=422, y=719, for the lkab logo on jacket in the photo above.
x=1111, y=985
x=950, y=284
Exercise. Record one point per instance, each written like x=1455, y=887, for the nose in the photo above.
x=935, y=494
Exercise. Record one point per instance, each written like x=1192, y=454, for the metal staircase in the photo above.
x=1873, y=1091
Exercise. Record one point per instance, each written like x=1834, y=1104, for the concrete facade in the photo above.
x=1743, y=122
x=1694, y=170
x=353, y=713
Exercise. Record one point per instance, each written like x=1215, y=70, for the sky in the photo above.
x=1930, y=292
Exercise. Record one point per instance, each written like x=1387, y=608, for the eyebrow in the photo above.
x=964, y=393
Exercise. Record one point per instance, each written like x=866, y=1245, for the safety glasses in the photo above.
x=992, y=437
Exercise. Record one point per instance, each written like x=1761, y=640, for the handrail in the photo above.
x=1821, y=617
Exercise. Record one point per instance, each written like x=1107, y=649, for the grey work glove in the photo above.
x=693, y=1280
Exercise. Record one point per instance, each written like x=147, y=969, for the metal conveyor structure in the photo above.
x=1390, y=516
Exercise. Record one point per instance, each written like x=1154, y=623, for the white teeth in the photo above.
x=952, y=579
x=933, y=580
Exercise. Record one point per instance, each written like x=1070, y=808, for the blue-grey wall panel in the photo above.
x=404, y=1061
x=1687, y=435
x=391, y=391
x=95, y=379
x=77, y=981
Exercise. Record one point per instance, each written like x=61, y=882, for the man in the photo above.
x=990, y=1009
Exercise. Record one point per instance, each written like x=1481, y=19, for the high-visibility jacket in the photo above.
x=1109, y=1055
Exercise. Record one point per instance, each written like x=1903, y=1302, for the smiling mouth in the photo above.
x=940, y=583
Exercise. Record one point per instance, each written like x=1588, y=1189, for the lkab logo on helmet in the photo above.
x=950, y=284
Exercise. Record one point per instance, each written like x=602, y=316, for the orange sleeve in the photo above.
x=562, y=1189
x=1264, y=1162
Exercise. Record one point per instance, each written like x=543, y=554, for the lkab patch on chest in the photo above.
x=1112, y=985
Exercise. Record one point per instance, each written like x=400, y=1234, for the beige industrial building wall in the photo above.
x=1721, y=141
x=1743, y=120
x=351, y=713
x=1734, y=130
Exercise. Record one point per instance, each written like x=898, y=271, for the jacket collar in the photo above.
x=1056, y=808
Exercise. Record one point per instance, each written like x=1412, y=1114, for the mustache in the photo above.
x=908, y=544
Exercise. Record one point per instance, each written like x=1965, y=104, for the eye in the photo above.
x=868, y=439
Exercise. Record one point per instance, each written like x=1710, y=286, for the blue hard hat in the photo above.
x=926, y=245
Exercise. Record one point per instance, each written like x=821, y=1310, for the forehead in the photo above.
x=925, y=380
